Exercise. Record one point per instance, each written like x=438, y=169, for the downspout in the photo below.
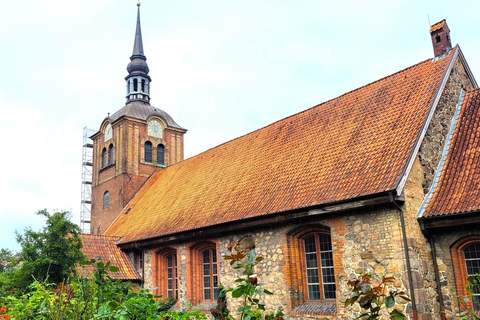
x=435, y=268
x=407, y=257
x=142, y=282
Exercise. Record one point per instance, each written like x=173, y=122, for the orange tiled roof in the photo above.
x=106, y=248
x=458, y=188
x=437, y=26
x=355, y=145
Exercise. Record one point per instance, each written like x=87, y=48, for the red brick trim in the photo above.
x=460, y=267
x=159, y=270
x=295, y=270
x=195, y=270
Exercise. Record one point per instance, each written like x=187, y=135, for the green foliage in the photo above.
x=7, y=260
x=248, y=286
x=101, y=297
x=473, y=287
x=52, y=253
x=373, y=298
x=221, y=311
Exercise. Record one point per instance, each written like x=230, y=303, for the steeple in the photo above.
x=138, y=80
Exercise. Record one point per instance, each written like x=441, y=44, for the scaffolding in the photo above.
x=87, y=169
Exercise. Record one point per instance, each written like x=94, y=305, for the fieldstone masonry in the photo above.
x=430, y=151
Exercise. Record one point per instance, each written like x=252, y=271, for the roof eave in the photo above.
x=450, y=221
x=326, y=209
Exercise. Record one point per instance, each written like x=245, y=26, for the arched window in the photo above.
x=104, y=157
x=160, y=155
x=143, y=85
x=319, y=274
x=110, y=154
x=472, y=262
x=466, y=260
x=205, y=272
x=167, y=273
x=311, y=265
x=148, y=152
x=105, y=199
x=135, y=85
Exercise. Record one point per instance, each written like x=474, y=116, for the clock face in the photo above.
x=108, y=132
x=155, y=129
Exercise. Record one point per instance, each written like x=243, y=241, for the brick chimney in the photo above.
x=440, y=38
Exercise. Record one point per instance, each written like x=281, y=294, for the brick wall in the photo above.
x=129, y=171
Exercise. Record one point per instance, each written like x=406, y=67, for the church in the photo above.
x=383, y=179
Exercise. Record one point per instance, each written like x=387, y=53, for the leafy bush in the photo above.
x=373, y=298
x=101, y=297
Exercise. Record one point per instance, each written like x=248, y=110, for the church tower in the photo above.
x=131, y=144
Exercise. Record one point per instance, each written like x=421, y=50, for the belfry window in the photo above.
x=104, y=157
x=135, y=85
x=160, y=155
x=106, y=199
x=148, y=152
x=110, y=154
x=143, y=85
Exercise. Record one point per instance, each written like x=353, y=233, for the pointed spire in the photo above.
x=138, y=80
x=138, y=45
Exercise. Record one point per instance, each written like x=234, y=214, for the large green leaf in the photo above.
x=397, y=315
x=389, y=302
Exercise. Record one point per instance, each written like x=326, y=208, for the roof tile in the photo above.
x=459, y=182
x=106, y=248
x=355, y=145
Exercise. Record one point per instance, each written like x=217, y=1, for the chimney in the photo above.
x=440, y=38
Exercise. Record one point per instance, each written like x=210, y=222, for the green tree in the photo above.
x=7, y=260
x=52, y=253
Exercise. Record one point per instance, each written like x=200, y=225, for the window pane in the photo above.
x=206, y=294
x=206, y=256
x=313, y=292
x=106, y=200
x=310, y=244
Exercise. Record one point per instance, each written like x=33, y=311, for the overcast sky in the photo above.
x=219, y=68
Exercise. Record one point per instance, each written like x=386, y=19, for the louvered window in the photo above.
x=104, y=157
x=160, y=155
x=110, y=154
x=148, y=152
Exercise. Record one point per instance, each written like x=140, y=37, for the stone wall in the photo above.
x=430, y=151
x=447, y=266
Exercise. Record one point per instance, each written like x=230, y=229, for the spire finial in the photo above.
x=138, y=4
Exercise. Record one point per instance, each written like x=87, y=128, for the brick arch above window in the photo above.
x=310, y=273
x=203, y=272
x=460, y=264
